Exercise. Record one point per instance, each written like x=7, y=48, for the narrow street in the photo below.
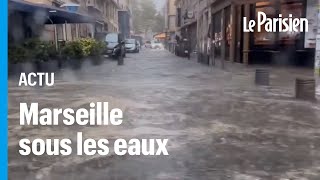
x=220, y=125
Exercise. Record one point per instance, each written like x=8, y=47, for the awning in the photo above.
x=53, y=15
x=187, y=24
x=160, y=36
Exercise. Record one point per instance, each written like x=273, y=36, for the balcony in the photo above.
x=95, y=5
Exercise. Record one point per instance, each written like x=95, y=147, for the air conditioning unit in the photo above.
x=91, y=3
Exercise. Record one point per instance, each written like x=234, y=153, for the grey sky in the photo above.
x=159, y=4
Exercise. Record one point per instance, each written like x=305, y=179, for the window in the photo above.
x=284, y=7
x=263, y=37
x=130, y=41
x=112, y=38
x=217, y=33
x=294, y=8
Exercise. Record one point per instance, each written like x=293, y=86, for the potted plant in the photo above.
x=96, y=52
x=91, y=49
x=16, y=55
x=45, y=54
x=72, y=52
x=19, y=60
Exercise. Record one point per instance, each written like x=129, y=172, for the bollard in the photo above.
x=262, y=77
x=120, y=60
x=305, y=89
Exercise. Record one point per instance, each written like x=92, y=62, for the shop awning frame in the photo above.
x=187, y=24
x=160, y=36
x=53, y=15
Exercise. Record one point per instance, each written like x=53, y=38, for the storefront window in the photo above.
x=272, y=10
x=286, y=8
x=217, y=30
x=263, y=37
x=227, y=31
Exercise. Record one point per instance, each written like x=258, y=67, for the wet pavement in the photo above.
x=220, y=125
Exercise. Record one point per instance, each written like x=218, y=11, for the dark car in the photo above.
x=115, y=45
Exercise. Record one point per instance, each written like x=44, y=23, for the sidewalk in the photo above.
x=281, y=77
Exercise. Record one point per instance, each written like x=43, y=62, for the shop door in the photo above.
x=239, y=34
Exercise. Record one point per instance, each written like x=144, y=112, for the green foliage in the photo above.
x=72, y=50
x=159, y=23
x=98, y=48
x=31, y=43
x=40, y=50
x=44, y=51
x=86, y=45
x=146, y=17
x=17, y=54
x=37, y=50
x=91, y=47
x=32, y=49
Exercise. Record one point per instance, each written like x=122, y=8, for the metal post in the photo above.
x=233, y=20
x=55, y=33
x=317, y=55
x=223, y=43
x=198, y=33
x=56, y=37
x=66, y=31
x=246, y=37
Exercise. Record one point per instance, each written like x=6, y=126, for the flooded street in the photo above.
x=220, y=125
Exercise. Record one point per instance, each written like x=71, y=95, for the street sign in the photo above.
x=190, y=14
x=311, y=15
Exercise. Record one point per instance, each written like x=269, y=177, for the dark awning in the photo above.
x=53, y=15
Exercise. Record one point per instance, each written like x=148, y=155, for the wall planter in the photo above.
x=27, y=67
x=48, y=66
x=18, y=68
x=62, y=63
x=13, y=69
x=96, y=60
x=74, y=64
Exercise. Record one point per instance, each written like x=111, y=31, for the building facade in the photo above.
x=104, y=11
x=124, y=17
x=231, y=44
x=170, y=13
x=170, y=17
x=187, y=15
x=218, y=28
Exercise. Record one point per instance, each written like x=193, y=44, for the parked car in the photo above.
x=139, y=45
x=131, y=45
x=156, y=45
x=115, y=45
x=147, y=44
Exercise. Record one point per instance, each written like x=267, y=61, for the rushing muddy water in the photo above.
x=220, y=125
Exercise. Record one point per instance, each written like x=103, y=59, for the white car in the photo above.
x=156, y=45
x=131, y=45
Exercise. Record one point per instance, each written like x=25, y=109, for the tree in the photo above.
x=136, y=19
x=146, y=17
x=159, y=23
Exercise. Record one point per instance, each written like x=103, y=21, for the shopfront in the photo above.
x=222, y=36
x=282, y=48
x=231, y=43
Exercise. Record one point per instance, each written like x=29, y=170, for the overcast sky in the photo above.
x=159, y=4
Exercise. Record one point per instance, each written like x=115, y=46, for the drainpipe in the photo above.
x=198, y=33
x=246, y=37
x=66, y=30
x=317, y=54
